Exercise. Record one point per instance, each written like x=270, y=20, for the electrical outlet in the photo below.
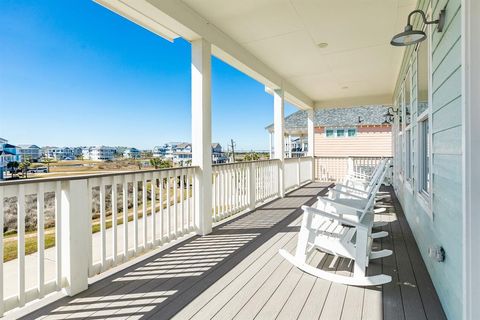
x=437, y=253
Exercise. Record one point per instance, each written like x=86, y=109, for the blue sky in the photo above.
x=74, y=73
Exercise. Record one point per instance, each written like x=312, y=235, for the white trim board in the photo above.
x=471, y=156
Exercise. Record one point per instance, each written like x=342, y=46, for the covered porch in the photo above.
x=209, y=235
x=236, y=273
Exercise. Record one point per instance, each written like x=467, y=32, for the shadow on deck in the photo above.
x=236, y=272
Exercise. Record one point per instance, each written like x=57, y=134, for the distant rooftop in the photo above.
x=336, y=117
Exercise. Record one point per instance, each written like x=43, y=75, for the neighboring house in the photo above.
x=218, y=156
x=77, y=152
x=8, y=153
x=341, y=132
x=132, y=153
x=98, y=153
x=30, y=151
x=159, y=151
x=59, y=153
x=181, y=152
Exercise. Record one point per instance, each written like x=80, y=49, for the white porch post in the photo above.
x=279, y=132
x=311, y=138
x=74, y=239
x=202, y=134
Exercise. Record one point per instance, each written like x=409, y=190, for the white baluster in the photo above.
x=144, y=212
x=153, y=196
x=40, y=239
x=103, y=231
x=114, y=221
x=21, y=244
x=58, y=234
x=135, y=214
x=125, y=217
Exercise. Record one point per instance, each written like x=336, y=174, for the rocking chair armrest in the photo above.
x=348, y=194
x=343, y=209
x=349, y=188
x=333, y=217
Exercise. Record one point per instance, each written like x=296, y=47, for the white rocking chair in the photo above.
x=342, y=227
x=341, y=237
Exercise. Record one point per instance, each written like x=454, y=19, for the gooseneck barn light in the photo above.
x=410, y=36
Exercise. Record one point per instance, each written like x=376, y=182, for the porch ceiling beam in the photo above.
x=172, y=18
x=355, y=101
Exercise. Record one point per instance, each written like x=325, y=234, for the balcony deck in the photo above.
x=236, y=272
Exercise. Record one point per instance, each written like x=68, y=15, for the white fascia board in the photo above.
x=182, y=21
x=140, y=18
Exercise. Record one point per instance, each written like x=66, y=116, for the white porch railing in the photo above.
x=96, y=222
x=336, y=168
x=297, y=171
x=157, y=206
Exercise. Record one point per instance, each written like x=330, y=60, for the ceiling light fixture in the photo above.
x=410, y=36
x=322, y=45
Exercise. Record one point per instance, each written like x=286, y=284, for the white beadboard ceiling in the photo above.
x=358, y=63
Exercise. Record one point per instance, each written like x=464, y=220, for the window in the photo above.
x=408, y=154
x=424, y=183
x=424, y=157
x=341, y=132
x=408, y=99
x=423, y=76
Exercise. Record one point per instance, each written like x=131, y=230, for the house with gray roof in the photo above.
x=352, y=131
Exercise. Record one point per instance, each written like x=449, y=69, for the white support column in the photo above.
x=279, y=132
x=75, y=224
x=311, y=138
x=202, y=134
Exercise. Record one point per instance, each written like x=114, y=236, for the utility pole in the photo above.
x=233, y=150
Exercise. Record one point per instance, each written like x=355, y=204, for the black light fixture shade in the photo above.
x=410, y=36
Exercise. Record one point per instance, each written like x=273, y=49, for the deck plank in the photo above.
x=294, y=305
x=425, y=286
x=226, y=304
x=333, y=306
x=412, y=303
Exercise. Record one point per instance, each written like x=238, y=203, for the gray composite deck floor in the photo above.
x=237, y=273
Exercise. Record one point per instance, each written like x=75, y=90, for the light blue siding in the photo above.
x=446, y=227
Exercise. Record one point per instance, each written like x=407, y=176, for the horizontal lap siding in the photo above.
x=364, y=144
x=446, y=227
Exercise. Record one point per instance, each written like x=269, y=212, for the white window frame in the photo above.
x=407, y=145
x=423, y=198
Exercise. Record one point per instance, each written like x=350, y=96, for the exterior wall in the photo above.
x=368, y=142
x=439, y=223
